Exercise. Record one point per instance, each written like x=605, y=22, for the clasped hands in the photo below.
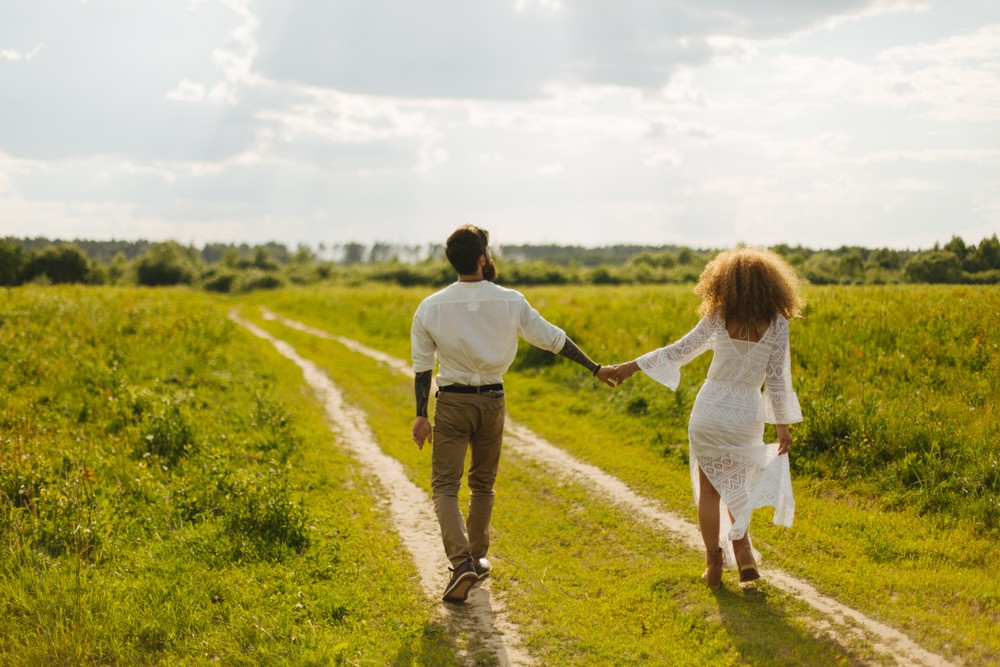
x=617, y=374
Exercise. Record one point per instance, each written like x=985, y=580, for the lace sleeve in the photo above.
x=663, y=365
x=781, y=405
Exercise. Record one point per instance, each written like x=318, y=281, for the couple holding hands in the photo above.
x=471, y=330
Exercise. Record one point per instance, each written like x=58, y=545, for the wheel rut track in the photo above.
x=845, y=623
x=482, y=617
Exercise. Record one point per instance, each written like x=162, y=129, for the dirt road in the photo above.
x=482, y=618
x=842, y=622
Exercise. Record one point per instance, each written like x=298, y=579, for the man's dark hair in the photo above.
x=465, y=246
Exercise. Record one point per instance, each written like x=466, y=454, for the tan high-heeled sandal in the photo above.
x=713, y=568
x=744, y=559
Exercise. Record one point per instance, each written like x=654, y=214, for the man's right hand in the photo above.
x=606, y=375
x=422, y=431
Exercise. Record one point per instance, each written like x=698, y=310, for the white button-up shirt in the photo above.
x=473, y=327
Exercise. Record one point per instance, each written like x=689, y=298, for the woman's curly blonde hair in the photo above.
x=748, y=285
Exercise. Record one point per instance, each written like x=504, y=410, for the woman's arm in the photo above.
x=781, y=405
x=663, y=364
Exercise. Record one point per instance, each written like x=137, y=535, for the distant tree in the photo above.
x=797, y=256
x=986, y=256
x=117, y=268
x=665, y=260
x=382, y=252
x=230, y=258
x=957, y=246
x=263, y=260
x=885, y=258
x=934, y=266
x=303, y=255
x=278, y=252
x=11, y=262
x=782, y=249
x=821, y=269
x=852, y=264
x=167, y=263
x=59, y=264
x=214, y=252
x=354, y=253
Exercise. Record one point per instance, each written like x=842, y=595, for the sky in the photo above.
x=700, y=123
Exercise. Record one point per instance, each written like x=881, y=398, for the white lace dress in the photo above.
x=726, y=429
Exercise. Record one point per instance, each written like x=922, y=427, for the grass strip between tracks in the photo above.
x=587, y=584
x=930, y=579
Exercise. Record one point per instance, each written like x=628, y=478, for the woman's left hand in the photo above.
x=624, y=371
x=784, y=438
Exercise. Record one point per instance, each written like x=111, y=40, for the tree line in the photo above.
x=240, y=268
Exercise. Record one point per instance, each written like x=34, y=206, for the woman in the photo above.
x=748, y=295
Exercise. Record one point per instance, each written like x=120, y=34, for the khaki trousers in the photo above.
x=462, y=421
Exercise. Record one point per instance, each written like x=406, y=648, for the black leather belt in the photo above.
x=463, y=389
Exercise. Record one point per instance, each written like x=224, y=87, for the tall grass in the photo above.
x=169, y=494
x=901, y=396
x=918, y=557
x=897, y=383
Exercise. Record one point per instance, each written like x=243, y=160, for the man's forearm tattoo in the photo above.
x=422, y=388
x=572, y=352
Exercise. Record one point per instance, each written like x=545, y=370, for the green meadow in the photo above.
x=170, y=492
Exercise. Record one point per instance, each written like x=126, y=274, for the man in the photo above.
x=472, y=327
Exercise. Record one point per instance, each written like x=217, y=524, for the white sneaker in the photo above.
x=482, y=566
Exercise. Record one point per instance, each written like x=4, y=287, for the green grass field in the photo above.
x=912, y=551
x=170, y=492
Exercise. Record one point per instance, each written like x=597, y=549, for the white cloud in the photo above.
x=538, y=5
x=912, y=185
x=430, y=157
x=981, y=46
x=187, y=91
x=646, y=121
x=12, y=54
x=668, y=157
x=953, y=79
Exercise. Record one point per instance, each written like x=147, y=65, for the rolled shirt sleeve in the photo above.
x=422, y=347
x=535, y=329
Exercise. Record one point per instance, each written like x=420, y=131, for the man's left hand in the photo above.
x=422, y=431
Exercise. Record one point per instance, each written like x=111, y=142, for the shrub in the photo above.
x=166, y=264
x=255, y=280
x=934, y=266
x=221, y=282
x=11, y=262
x=60, y=264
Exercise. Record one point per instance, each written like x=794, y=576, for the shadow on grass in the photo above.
x=758, y=621
x=467, y=635
x=434, y=646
